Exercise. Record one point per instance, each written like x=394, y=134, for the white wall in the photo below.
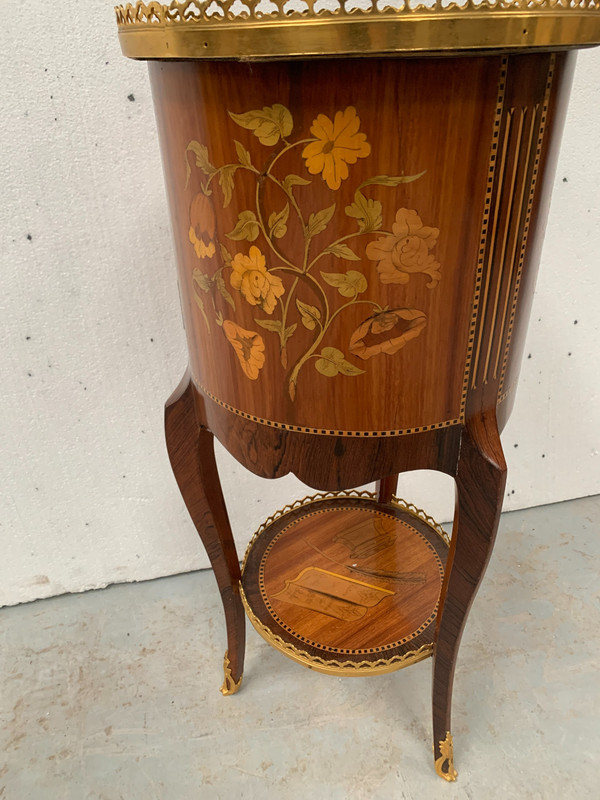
x=92, y=344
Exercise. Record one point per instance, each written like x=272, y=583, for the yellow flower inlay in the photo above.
x=202, y=226
x=249, y=348
x=338, y=144
x=251, y=277
x=296, y=236
x=203, y=249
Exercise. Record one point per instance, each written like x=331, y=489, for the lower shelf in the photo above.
x=346, y=585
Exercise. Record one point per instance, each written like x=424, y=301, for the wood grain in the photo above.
x=482, y=189
x=191, y=451
x=386, y=488
x=426, y=382
x=347, y=579
x=480, y=483
x=406, y=137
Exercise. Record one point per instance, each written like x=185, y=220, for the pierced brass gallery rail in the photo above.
x=333, y=666
x=410, y=508
x=244, y=30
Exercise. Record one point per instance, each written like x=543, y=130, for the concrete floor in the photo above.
x=114, y=693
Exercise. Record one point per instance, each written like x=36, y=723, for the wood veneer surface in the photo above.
x=347, y=578
x=418, y=116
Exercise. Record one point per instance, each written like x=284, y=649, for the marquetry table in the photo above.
x=358, y=200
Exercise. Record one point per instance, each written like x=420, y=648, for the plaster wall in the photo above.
x=91, y=342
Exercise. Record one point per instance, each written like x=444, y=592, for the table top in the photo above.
x=263, y=29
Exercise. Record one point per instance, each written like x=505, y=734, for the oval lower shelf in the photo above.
x=346, y=585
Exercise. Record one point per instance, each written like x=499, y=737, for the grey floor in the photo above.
x=114, y=694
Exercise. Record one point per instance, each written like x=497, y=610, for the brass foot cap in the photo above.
x=229, y=685
x=446, y=758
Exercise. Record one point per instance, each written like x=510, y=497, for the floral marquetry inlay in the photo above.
x=337, y=144
x=263, y=266
x=406, y=250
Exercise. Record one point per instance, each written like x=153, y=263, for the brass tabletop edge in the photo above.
x=186, y=30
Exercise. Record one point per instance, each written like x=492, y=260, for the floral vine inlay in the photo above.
x=386, y=332
x=202, y=226
x=256, y=284
x=406, y=250
x=249, y=347
x=337, y=144
x=256, y=272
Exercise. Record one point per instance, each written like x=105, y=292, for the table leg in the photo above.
x=480, y=482
x=191, y=451
x=386, y=488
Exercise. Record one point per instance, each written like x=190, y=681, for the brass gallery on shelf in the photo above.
x=358, y=216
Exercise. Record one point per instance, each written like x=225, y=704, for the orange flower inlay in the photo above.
x=249, y=348
x=202, y=226
x=386, y=332
x=406, y=251
x=251, y=277
x=338, y=144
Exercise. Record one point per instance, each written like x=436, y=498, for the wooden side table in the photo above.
x=357, y=241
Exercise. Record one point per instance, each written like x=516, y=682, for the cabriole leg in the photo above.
x=191, y=451
x=480, y=482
